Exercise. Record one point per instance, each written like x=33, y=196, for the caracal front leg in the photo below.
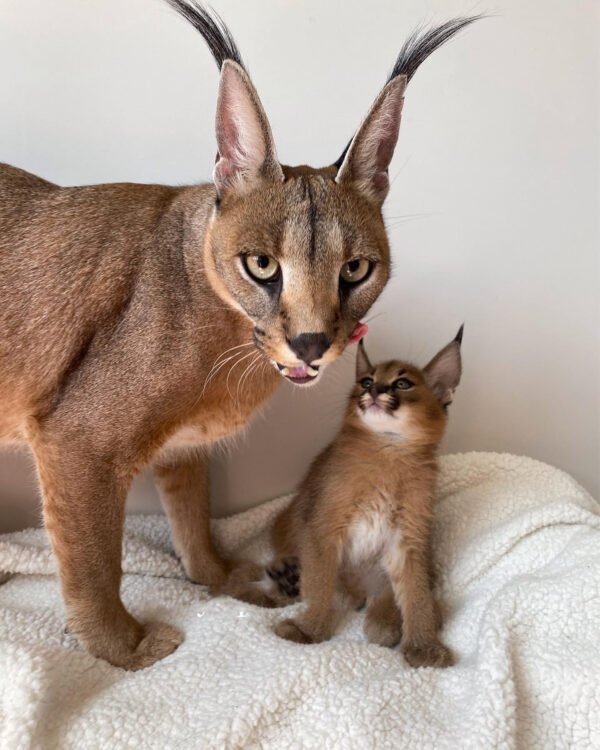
x=84, y=499
x=182, y=480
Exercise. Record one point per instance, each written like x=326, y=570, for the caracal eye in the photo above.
x=261, y=267
x=355, y=271
x=403, y=384
x=366, y=383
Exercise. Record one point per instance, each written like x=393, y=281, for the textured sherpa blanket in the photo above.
x=518, y=554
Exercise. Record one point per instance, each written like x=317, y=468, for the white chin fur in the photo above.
x=380, y=421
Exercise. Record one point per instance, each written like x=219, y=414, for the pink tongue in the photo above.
x=298, y=372
x=358, y=333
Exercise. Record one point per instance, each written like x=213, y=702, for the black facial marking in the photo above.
x=274, y=288
x=394, y=402
x=284, y=317
x=312, y=219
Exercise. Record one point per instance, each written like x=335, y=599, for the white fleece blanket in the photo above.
x=518, y=552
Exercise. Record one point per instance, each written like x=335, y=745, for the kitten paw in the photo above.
x=244, y=571
x=289, y=630
x=383, y=633
x=252, y=595
x=286, y=575
x=242, y=583
x=433, y=654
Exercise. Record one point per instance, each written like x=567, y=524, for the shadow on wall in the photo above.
x=19, y=497
x=20, y=501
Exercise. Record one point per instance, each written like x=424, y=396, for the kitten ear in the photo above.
x=370, y=152
x=363, y=365
x=443, y=373
x=246, y=151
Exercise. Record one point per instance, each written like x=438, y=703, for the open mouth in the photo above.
x=304, y=374
x=300, y=375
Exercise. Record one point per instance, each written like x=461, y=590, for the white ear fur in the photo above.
x=370, y=153
x=246, y=151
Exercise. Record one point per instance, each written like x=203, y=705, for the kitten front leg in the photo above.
x=383, y=622
x=183, y=484
x=318, y=579
x=353, y=588
x=420, y=615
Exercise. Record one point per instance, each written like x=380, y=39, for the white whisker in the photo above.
x=231, y=369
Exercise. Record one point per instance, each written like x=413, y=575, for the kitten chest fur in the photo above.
x=374, y=539
x=372, y=544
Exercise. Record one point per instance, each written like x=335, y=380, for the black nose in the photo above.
x=310, y=346
x=378, y=388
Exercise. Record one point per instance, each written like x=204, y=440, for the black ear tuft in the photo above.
x=459, y=336
x=416, y=49
x=363, y=364
x=213, y=29
x=422, y=43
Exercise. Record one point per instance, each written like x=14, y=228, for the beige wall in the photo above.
x=496, y=173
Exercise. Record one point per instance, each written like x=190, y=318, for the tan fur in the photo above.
x=109, y=330
x=117, y=349
x=133, y=333
x=361, y=522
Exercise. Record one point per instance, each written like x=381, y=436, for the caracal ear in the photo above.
x=363, y=365
x=443, y=372
x=368, y=158
x=246, y=151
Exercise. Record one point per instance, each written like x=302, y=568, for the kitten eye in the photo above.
x=402, y=384
x=355, y=270
x=262, y=268
x=366, y=383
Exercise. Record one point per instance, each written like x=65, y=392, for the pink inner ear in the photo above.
x=358, y=333
x=230, y=151
x=241, y=138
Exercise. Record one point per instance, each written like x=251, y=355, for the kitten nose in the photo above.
x=310, y=346
x=378, y=388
